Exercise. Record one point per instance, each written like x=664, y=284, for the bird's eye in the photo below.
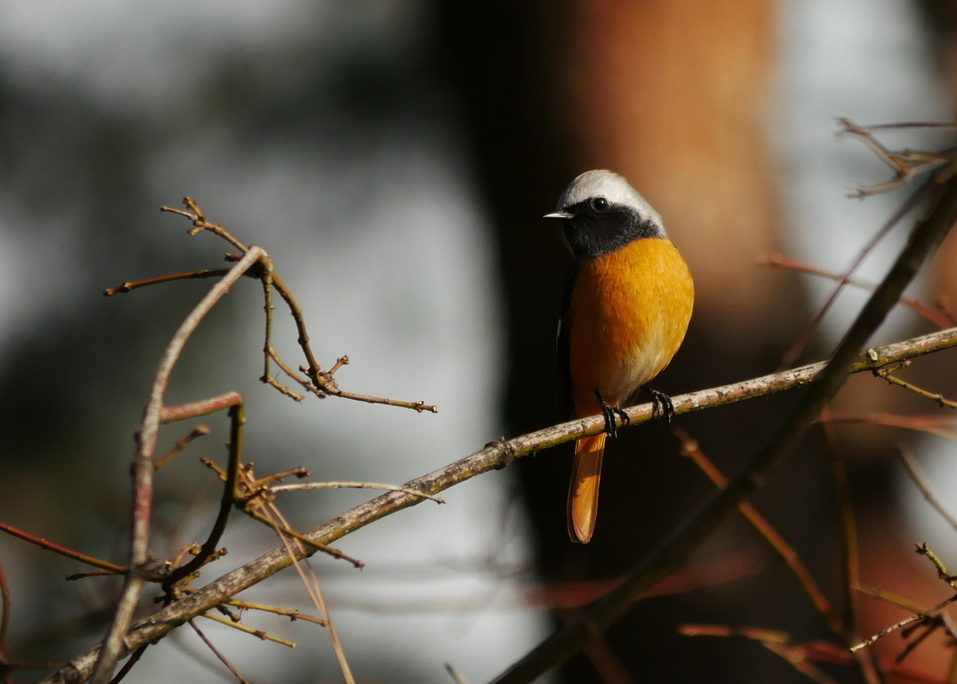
x=599, y=204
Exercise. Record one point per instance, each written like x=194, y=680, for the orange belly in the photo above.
x=629, y=312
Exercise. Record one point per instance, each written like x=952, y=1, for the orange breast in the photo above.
x=628, y=313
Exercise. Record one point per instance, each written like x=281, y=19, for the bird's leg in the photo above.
x=610, y=413
x=661, y=405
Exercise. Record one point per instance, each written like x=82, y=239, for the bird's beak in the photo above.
x=559, y=215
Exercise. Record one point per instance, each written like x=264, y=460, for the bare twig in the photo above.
x=934, y=424
x=181, y=443
x=887, y=596
x=203, y=407
x=195, y=215
x=258, y=633
x=904, y=125
x=940, y=316
x=456, y=677
x=111, y=568
x=218, y=654
x=253, y=497
x=134, y=285
x=850, y=554
x=208, y=551
x=692, y=450
x=910, y=464
x=893, y=628
x=351, y=485
x=303, y=539
x=576, y=594
x=296, y=547
x=800, y=656
x=929, y=617
x=129, y=664
x=905, y=163
x=887, y=374
x=4, y=617
x=290, y=613
x=923, y=550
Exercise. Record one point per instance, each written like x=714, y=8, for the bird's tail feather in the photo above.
x=583, y=488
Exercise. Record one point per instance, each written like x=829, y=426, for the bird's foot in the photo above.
x=661, y=405
x=611, y=414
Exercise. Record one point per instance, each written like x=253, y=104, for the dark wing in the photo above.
x=565, y=407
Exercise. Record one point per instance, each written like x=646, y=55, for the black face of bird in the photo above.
x=597, y=226
x=601, y=212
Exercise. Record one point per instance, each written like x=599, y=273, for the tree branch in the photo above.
x=495, y=455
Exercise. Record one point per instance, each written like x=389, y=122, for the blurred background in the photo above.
x=395, y=158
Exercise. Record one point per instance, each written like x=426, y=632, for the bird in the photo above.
x=626, y=308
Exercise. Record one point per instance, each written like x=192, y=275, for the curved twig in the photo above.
x=146, y=437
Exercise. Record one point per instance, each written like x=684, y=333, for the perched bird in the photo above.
x=626, y=308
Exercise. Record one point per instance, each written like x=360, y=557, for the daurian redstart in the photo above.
x=627, y=304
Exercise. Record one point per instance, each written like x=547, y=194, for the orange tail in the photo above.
x=583, y=488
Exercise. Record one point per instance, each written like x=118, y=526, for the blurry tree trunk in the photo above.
x=673, y=94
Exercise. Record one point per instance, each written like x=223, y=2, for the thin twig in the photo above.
x=111, y=568
x=850, y=553
x=903, y=125
x=4, y=615
x=303, y=539
x=136, y=284
x=269, y=352
x=910, y=464
x=258, y=633
x=203, y=407
x=303, y=340
x=939, y=316
x=692, y=450
x=928, y=627
x=906, y=163
x=898, y=625
x=800, y=656
x=290, y=613
x=208, y=551
x=195, y=214
x=218, y=654
x=887, y=374
x=887, y=596
x=249, y=499
x=933, y=424
x=923, y=550
x=417, y=406
x=351, y=485
x=181, y=443
x=455, y=675
x=129, y=664
x=916, y=617
x=275, y=518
